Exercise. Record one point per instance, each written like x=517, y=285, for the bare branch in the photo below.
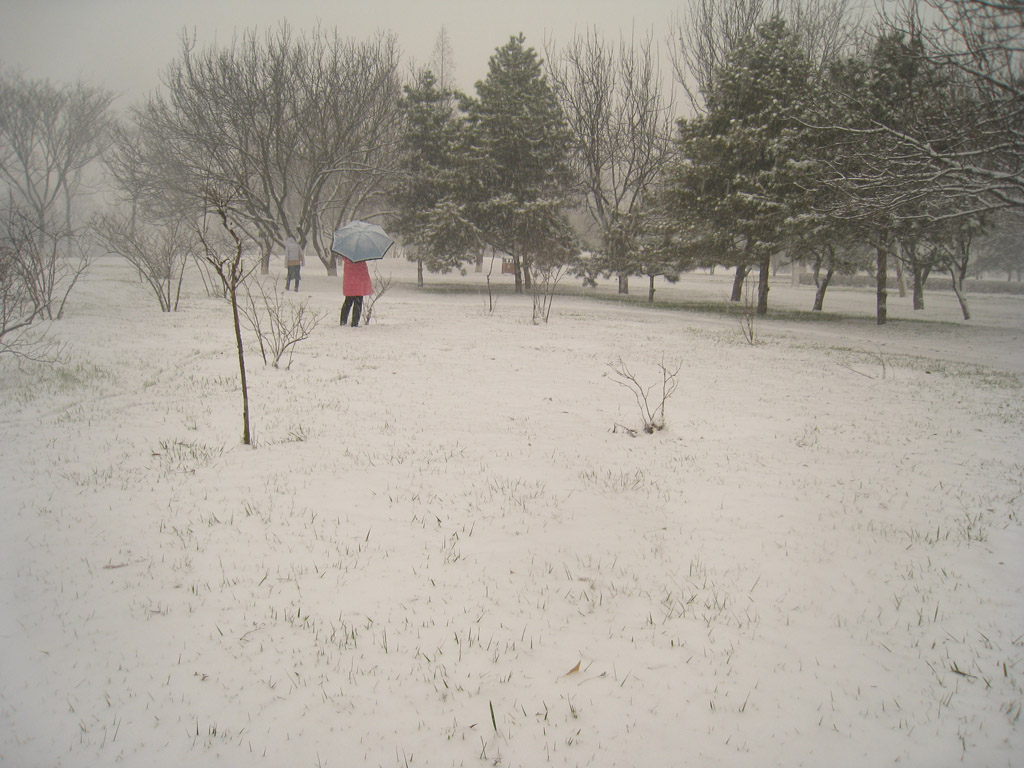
x=652, y=407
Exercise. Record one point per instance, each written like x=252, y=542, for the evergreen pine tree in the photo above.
x=427, y=195
x=519, y=181
x=732, y=188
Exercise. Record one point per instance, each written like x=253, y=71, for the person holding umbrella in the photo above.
x=358, y=242
x=355, y=283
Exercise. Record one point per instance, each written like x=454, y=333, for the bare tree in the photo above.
x=708, y=30
x=442, y=61
x=160, y=191
x=297, y=127
x=179, y=154
x=49, y=134
x=704, y=34
x=354, y=132
x=621, y=121
x=223, y=251
x=266, y=138
x=212, y=208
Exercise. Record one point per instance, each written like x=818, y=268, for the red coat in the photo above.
x=355, y=280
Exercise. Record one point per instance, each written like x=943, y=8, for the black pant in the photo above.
x=293, y=274
x=355, y=304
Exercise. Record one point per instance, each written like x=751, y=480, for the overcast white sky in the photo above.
x=124, y=44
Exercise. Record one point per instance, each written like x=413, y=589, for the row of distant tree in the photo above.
x=837, y=144
x=892, y=143
x=817, y=138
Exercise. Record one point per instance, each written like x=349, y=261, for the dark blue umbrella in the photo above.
x=361, y=241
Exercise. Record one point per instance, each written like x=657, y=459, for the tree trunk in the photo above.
x=650, y=291
x=246, y=439
x=881, y=277
x=419, y=272
x=737, y=283
x=232, y=286
x=623, y=283
x=763, y=270
x=480, y=262
x=918, y=288
x=958, y=289
x=959, y=266
x=901, y=282
x=517, y=263
x=819, y=294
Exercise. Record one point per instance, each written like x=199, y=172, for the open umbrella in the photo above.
x=361, y=241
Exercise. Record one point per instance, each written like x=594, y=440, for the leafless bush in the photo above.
x=48, y=259
x=542, y=288
x=159, y=250
x=383, y=284
x=18, y=310
x=18, y=337
x=650, y=402
x=878, y=357
x=279, y=323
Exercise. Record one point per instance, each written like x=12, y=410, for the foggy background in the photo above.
x=125, y=44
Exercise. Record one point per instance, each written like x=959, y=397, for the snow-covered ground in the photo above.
x=445, y=551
